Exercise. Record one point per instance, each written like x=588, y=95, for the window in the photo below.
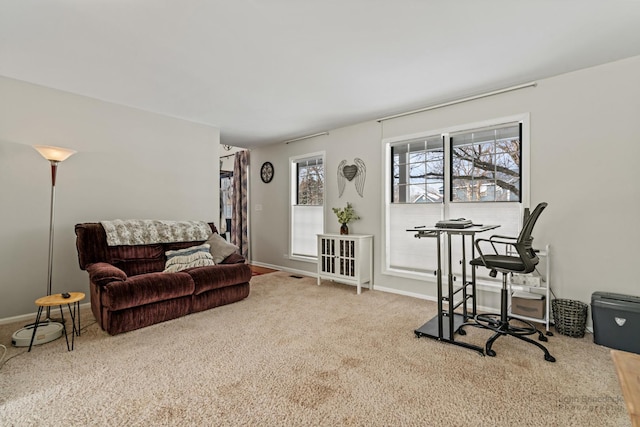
x=418, y=171
x=472, y=171
x=310, y=181
x=485, y=165
x=307, y=204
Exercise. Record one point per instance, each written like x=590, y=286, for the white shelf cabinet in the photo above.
x=543, y=289
x=346, y=258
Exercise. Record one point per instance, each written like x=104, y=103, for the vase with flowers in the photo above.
x=345, y=216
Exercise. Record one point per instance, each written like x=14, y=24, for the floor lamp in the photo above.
x=47, y=329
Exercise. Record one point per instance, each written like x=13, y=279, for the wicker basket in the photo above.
x=570, y=317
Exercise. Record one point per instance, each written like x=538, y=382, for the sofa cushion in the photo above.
x=220, y=248
x=146, y=289
x=127, y=253
x=195, y=256
x=144, y=266
x=208, y=278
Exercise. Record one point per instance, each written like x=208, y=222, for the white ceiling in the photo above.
x=266, y=71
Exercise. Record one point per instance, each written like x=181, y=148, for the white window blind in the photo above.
x=405, y=252
x=507, y=215
x=307, y=221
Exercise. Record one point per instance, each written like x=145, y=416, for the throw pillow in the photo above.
x=195, y=256
x=220, y=248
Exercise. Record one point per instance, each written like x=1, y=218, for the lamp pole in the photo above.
x=54, y=171
x=47, y=330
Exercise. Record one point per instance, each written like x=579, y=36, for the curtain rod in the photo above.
x=305, y=137
x=228, y=155
x=461, y=100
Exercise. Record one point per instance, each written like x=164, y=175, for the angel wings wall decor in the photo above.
x=357, y=171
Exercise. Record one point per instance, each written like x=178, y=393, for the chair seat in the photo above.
x=500, y=263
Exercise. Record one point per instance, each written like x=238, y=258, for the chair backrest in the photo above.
x=525, y=239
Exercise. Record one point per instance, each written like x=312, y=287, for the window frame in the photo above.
x=450, y=142
x=444, y=206
x=293, y=203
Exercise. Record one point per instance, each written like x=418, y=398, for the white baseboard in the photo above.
x=31, y=316
x=281, y=268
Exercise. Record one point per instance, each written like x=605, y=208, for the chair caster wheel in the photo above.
x=543, y=338
x=462, y=332
x=549, y=333
x=491, y=353
x=549, y=358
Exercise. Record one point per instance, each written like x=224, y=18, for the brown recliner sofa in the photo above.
x=129, y=289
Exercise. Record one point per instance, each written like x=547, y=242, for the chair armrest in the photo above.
x=497, y=236
x=102, y=273
x=503, y=240
x=493, y=240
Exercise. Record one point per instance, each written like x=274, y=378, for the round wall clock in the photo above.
x=266, y=172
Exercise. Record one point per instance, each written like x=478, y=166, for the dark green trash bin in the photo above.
x=616, y=321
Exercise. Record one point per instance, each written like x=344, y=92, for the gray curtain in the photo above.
x=239, y=223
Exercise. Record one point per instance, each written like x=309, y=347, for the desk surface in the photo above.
x=628, y=370
x=468, y=230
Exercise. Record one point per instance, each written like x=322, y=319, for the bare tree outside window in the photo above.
x=486, y=165
x=311, y=182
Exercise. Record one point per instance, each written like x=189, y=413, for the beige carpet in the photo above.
x=295, y=354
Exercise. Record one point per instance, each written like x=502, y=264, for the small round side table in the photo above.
x=72, y=303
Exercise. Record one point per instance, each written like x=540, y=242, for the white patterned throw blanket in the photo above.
x=149, y=231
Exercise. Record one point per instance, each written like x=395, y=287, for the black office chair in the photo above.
x=522, y=260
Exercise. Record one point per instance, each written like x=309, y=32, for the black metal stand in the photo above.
x=437, y=328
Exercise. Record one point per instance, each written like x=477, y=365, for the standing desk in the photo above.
x=437, y=328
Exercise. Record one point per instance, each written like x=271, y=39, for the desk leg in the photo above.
x=450, y=286
x=35, y=326
x=439, y=281
x=465, y=315
x=474, y=307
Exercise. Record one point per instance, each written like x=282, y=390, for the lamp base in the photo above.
x=46, y=332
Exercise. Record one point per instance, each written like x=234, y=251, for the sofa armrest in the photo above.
x=102, y=273
x=234, y=258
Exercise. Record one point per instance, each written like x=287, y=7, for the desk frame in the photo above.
x=436, y=328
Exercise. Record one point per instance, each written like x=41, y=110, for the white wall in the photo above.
x=585, y=146
x=130, y=164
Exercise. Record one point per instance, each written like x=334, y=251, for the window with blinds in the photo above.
x=307, y=204
x=472, y=172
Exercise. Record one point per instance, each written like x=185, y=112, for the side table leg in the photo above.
x=64, y=327
x=78, y=306
x=75, y=330
x=35, y=326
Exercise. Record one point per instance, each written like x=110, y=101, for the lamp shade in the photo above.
x=54, y=154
